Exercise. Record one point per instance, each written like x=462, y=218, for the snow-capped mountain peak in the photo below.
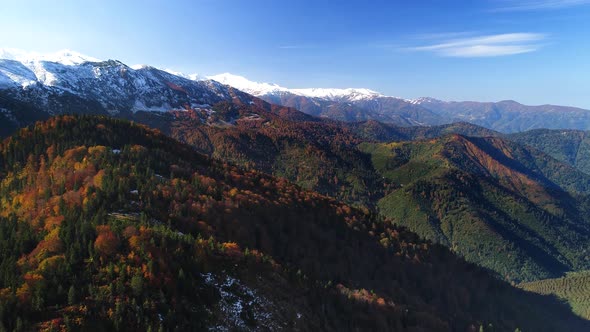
x=64, y=57
x=193, y=77
x=244, y=84
x=423, y=100
x=27, y=68
x=103, y=86
x=334, y=94
x=262, y=89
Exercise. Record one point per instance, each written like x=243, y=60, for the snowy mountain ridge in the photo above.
x=350, y=105
x=263, y=89
x=18, y=67
x=27, y=68
x=68, y=81
x=64, y=57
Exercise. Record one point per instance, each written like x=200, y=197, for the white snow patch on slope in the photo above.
x=192, y=77
x=13, y=72
x=237, y=301
x=139, y=105
x=26, y=68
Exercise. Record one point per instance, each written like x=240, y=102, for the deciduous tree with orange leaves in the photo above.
x=107, y=242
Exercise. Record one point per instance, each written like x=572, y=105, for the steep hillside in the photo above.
x=119, y=227
x=569, y=146
x=516, y=211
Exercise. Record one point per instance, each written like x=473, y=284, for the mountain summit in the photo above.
x=65, y=57
x=35, y=87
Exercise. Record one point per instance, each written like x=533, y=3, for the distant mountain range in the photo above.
x=33, y=86
x=509, y=116
x=363, y=104
x=338, y=104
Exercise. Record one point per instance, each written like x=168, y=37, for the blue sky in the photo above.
x=534, y=52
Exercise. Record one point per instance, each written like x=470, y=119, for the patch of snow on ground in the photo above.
x=8, y=114
x=140, y=106
x=238, y=303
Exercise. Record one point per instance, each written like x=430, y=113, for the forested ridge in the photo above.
x=514, y=210
x=316, y=154
x=569, y=146
x=109, y=225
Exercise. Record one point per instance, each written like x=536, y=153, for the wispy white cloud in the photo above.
x=295, y=47
x=516, y=5
x=486, y=45
x=444, y=35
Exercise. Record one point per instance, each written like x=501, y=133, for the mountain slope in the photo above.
x=572, y=288
x=569, y=146
x=262, y=89
x=119, y=227
x=317, y=155
x=514, y=210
